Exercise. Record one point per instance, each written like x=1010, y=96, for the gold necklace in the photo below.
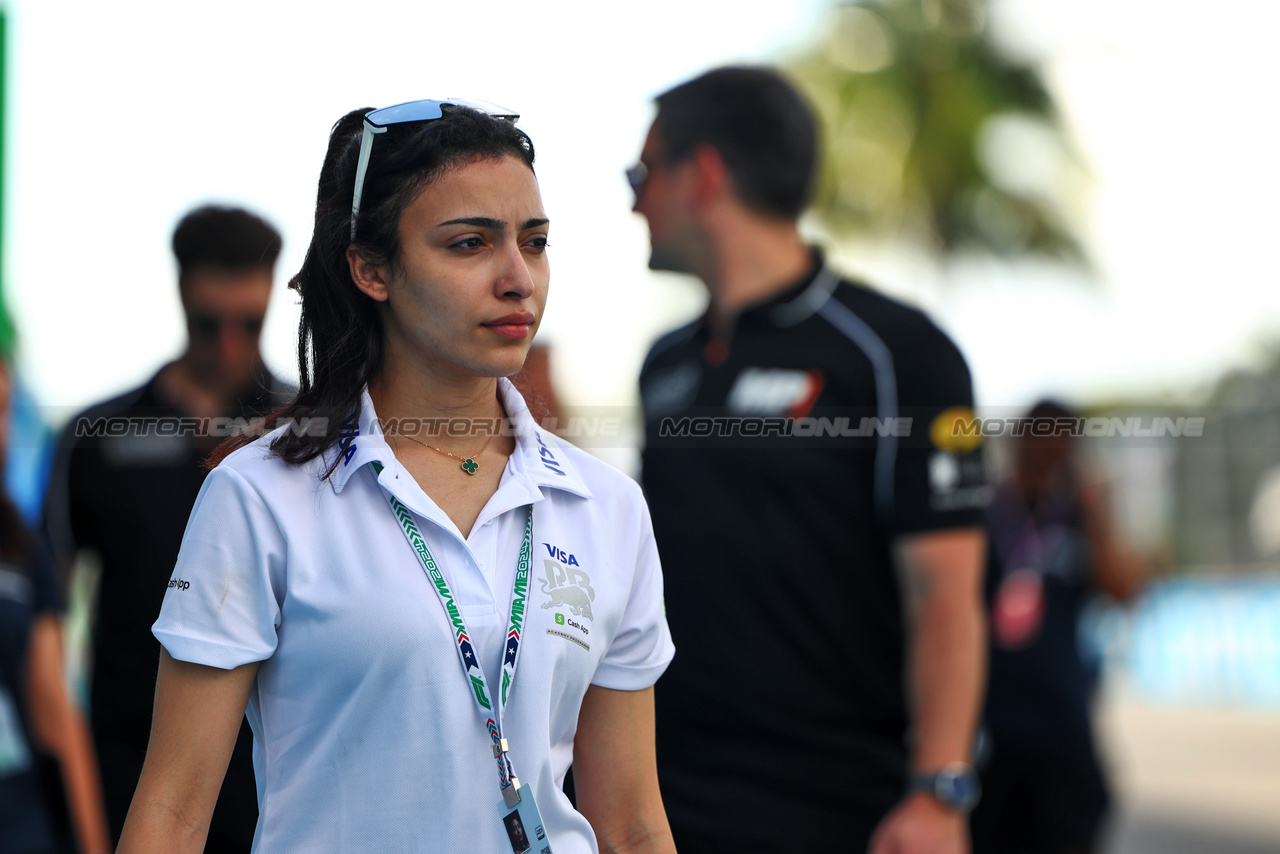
x=469, y=464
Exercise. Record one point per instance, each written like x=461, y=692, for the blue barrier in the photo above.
x=1199, y=641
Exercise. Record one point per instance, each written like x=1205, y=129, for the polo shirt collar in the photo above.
x=539, y=455
x=789, y=306
x=802, y=299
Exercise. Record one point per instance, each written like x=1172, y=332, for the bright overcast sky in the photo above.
x=125, y=114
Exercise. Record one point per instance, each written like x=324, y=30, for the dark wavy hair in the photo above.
x=340, y=338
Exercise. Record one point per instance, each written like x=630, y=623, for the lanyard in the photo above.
x=466, y=652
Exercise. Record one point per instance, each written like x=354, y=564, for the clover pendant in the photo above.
x=470, y=466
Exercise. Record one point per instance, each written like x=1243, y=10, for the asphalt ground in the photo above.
x=1191, y=780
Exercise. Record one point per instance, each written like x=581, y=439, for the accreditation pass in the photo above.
x=524, y=824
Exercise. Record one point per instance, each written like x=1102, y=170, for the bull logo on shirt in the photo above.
x=566, y=584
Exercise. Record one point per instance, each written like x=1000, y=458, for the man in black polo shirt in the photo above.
x=127, y=473
x=817, y=493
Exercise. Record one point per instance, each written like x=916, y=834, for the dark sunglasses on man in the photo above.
x=636, y=176
x=209, y=326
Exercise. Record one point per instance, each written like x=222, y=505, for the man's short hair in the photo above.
x=225, y=239
x=761, y=126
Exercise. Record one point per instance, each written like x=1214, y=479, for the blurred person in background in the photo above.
x=825, y=593
x=536, y=386
x=125, y=478
x=36, y=715
x=1053, y=548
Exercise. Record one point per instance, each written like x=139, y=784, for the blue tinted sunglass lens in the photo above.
x=414, y=111
x=636, y=176
x=426, y=110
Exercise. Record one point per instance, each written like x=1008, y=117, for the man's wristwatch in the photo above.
x=955, y=786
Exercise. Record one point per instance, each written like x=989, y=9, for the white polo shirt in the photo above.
x=367, y=736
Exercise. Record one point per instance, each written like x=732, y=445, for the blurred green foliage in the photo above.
x=934, y=134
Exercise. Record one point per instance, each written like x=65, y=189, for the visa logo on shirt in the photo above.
x=548, y=459
x=347, y=439
x=559, y=554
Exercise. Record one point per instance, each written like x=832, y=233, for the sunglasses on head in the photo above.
x=425, y=110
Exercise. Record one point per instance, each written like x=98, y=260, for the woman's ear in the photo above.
x=367, y=276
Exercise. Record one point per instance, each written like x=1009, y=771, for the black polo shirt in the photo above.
x=781, y=462
x=123, y=483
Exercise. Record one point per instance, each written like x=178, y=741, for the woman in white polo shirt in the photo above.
x=430, y=606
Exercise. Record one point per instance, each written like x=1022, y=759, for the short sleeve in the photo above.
x=939, y=478
x=46, y=594
x=642, y=647
x=222, y=606
x=67, y=525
